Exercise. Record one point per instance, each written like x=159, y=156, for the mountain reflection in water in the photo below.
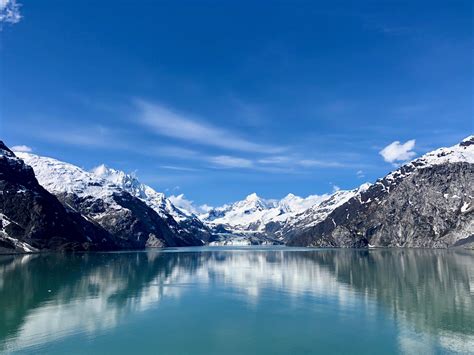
x=428, y=295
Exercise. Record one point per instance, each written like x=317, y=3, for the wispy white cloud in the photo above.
x=279, y=159
x=398, y=152
x=77, y=138
x=173, y=151
x=193, y=157
x=92, y=136
x=295, y=160
x=169, y=123
x=99, y=137
x=178, y=168
x=227, y=161
x=9, y=12
x=21, y=148
x=320, y=163
x=360, y=174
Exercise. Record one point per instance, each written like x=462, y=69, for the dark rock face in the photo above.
x=186, y=227
x=426, y=203
x=194, y=229
x=428, y=207
x=134, y=226
x=131, y=222
x=33, y=219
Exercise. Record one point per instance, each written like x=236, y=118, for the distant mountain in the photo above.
x=129, y=219
x=181, y=222
x=313, y=215
x=246, y=221
x=56, y=205
x=32, y=219
x=254, y=212
x=425, y=203
x=255, y=220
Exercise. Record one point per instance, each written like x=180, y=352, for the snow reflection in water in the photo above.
x=428, y=294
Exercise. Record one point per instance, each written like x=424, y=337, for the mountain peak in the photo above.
x=119, y=178
x=105, y=172
x=289, y=200
x=101, y=170
x=252, y=197
x=462, y=152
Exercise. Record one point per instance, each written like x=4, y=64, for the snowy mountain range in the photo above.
x=132, y=212
x=187, y=224
x=426, y=202
x=254, y=212
x=249, y=218
x=32, y=219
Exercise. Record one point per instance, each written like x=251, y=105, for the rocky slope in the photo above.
x=132, y=223
x=32, y=219
x=255, y=220
x=183, y=223
x=293, y=225
x=425, y=203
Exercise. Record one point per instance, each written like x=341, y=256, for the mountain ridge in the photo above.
x=32, y=219
x=426, y=202
x=180, y=221
x=132, y=222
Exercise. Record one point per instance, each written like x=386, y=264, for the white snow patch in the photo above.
x=465, y=207
x=254, y=212
x=459, y=153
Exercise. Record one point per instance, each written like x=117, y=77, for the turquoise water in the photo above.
x=271, y=300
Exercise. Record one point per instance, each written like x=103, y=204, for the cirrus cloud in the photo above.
x=226, y=161
x=166, y=122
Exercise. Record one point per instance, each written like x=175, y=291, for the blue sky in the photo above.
x=218, y=99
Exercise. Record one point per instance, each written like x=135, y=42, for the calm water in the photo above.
x=233, y=301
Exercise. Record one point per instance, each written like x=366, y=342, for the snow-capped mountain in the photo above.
x=32, y=219
x=180, y=221
x=273, y=221
x=130, y=183
x=254, y=212
x=245, y=222
x=427, y=202
x=106, y=202
x=315, y=214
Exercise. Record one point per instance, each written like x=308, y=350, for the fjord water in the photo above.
x=271, y=300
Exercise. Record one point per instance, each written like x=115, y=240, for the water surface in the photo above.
x=271, y=300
